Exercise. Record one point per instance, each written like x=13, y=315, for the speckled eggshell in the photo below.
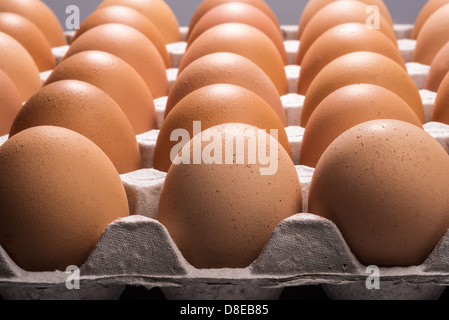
x=362, y=67
x=222, y=215
x=18, y=64
x=130, y=17
x=225, y=67
x=213, y=105
x=241, y=39
x=384, y=184
x=441, y=108
x=83, y=108
x=340, y=40
x=41, y=15
x=346, y=108
x=336, y=13
x=158, y=11
x=59, y=191
x=10, y=103
x=30, y=37
x=241, y=13
x=429, y=8
x=433, y=36
x=438, y=69
x=115, y=77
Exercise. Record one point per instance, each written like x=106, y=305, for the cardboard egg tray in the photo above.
x=303, y=250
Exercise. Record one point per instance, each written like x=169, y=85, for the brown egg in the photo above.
x=346, y=108
x=130, y=45
x=130, y=17
x=207, y=5
x=432, y=37
x=225, y=67
x=41, y=15
x=429, y=8
x=30, y=37
x=313, y=6
x=213, y=105
x=18, y=64
x=438, y=69
x=59, y=192
x=244, y=40
x=10, y=103
x=82, y=107
x=384, y=184
x=333, y=14
x=340, y=40
x=115, y=77
x=222, y=215
x=362, y=67
x=241, y=13
x=441, y=108
x=157, y=11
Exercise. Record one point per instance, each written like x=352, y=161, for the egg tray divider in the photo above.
x=303, y=250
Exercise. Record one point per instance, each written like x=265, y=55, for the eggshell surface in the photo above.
x=441, y=107
x=10, y=103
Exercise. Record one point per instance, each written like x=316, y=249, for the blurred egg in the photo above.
x=441, y=107
x=429, y=8
x=10, y=103
x=18, y=64
x=362, y=67
x=384, y=184
x=41, y=15
x=313, y=6
x=130, y=45
x=225, y=67
x=59, y=192
x=244, y=40
x=222, y=215
x=213, y=105
x=433, y=36
x=336, y=13
x=438, y=69
x=207, y=5
x=129, y=17
x=115, y=77
x=157, y=11
x=240, y=12
x=346, y=108
x=30, y=37
x=340, y=40
x=83, y=108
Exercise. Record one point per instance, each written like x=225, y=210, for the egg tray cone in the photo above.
x=303, y=250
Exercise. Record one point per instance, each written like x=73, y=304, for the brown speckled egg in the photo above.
x=441, y=107
x=10, y=103
x=130, y=17
x=384, y=184
x=115, y=77
x=207, y=5
x=82, y=107
x=433, y=36
x=225, y=67
x=41, y=15
x=340, y=40
x=362, y=67
x=241, y=39
x=438, y=69
x=157, y=11
x=213, y=105
x=30, y=37
x=222, y=215
x=18, y=64
x=336, y=13
x=429, y=8
x=346, y=108
x=58, y=194
x=313, y=6
x=242, y=13
x=130, y=45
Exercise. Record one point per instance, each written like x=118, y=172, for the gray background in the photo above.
x=287, y=11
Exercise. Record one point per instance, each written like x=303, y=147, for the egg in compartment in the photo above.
x=10, y=103
x=438, y=69
x=427, y=10
x=441, y=108
x=222, y=211
x=58, y=193
x=384, y=184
